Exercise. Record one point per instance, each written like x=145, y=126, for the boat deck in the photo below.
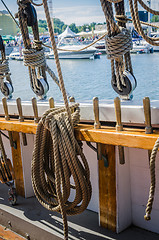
x=29, y=219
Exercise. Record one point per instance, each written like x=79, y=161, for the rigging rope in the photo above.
x=34, y=56
x=118, y=46
x=5, y=85
x=136, y=21
x=57, y=156
x=153, y=181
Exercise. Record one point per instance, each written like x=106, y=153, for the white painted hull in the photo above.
x=73, y=55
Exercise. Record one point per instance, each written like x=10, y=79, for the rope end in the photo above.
x=147, y=217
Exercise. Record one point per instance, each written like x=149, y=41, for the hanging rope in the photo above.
x=136, y=21
x=5, y=79
x=118, y=46
x=153, y=181
x=34, y=56
x=57, y=157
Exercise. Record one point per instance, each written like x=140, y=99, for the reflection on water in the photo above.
x=85, y=79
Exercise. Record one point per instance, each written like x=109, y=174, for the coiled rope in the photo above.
x=57, y=157
x=153, y=181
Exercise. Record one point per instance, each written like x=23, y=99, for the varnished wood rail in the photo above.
x=134, y=138
x=109, y=138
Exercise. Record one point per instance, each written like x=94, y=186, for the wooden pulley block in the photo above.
x=6, y=171
x=130, y=85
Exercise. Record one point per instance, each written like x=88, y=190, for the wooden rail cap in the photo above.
x=135, y=138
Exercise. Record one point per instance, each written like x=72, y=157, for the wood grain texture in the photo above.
x=17, y=166
x=107, y=189
x=7, y=234
x=135, y=138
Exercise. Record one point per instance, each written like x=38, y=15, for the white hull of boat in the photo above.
x=72, y=55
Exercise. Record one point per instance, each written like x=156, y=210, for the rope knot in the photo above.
x=118, y=45
x=121, y=18
x=34, y=58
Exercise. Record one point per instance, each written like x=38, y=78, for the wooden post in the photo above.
x=17, y=165
x=107, y=189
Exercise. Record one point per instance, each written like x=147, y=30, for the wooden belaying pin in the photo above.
x=147, y=113
x=21, y=119
x=5, y=107
x=72, y=99
x=35, y=110
x=119, y=127
x=97, y=125
x=51, y=102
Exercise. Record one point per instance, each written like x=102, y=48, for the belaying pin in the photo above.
x=147, y=113
x=51, y=102
x=119, y=127
x=5, y=107
x=97, y=125
x=21, y=119
x=35, y=110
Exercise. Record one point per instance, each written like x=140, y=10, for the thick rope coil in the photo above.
x=34, y=58
x=57, y=158
x=118, y=45
x=153, y=181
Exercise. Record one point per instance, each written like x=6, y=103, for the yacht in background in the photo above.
x=141, y=46
x=68, y=41
x=155, y=35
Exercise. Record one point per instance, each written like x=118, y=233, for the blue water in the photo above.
x=85, y=79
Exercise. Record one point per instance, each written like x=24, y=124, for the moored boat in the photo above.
x=116, y=137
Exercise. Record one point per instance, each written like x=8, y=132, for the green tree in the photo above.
x=73, y=27
x=155, y=18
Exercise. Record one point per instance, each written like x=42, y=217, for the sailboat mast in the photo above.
x=149, y=17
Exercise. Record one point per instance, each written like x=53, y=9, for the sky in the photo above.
x=69, y=11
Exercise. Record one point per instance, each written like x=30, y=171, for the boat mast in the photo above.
x=149, y=17
x=51, y=13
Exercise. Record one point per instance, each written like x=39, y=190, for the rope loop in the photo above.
x=121, y=18
x=118, y=45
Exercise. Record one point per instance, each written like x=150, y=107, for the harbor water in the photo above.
x=86, y=78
